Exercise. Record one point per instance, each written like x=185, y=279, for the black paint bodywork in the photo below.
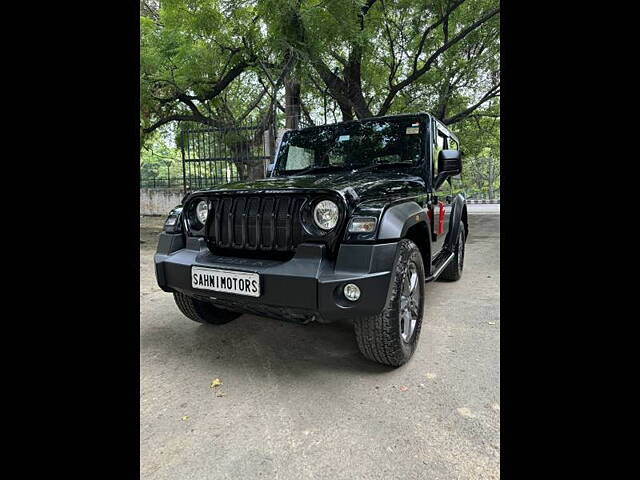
x=306, y=284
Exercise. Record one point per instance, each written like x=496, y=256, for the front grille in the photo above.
x=255, y=223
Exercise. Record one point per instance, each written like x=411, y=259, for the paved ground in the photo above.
x=300, y=402
x=485, y=208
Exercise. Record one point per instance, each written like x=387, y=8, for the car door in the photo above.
x=441, y=208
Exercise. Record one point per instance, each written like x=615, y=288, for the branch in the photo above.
x=338, y=57
x=447, y=45
x=431, y=28
x=393, y=68
x=483, y=115
x=180, y=118
x=223, y=83
x=306, y=113
x=363, y=11
x=334, y=84
x=254, y=104
x=288, y=66
x=493, y=92
x=187, y=101
x=427, y=65
x=216, y=89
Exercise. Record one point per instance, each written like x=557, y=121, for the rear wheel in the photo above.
x=203, y=312
x=454, y=269
x=391, y=337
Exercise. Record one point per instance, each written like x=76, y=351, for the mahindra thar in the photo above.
x=351, y=222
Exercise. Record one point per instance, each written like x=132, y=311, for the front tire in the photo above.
x=203, y=312
x=391, y=337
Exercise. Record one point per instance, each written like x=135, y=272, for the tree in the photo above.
x=480, y=143
x=202, y=61
x=365, y=53
x=158, y=159
x=279, y=62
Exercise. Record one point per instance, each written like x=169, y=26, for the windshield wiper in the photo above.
x=317, y=168
x=385, y=164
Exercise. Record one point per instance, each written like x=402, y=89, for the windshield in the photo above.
x=352, y=146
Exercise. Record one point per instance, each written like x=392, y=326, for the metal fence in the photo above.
x=170, y=182
x=218, y=155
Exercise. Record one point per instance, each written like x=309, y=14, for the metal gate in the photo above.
x=218, y=155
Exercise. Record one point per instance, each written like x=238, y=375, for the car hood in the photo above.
x=365, y=185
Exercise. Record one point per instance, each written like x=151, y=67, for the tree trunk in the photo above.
x=255, y=169
x=292, y=104
x=353, y=82
x=346, y=110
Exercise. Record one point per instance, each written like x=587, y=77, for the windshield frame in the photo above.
x=418, y=166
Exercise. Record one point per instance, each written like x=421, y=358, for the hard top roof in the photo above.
x=385, y=117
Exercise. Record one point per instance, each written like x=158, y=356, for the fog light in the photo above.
x=352, y=292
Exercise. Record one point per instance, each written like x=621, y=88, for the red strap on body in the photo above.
x=441, y=218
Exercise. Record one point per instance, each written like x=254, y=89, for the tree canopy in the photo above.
x=231, y=61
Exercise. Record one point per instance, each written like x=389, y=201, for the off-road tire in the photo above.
x=203, y=312
x=379, y=337
x=453, y=271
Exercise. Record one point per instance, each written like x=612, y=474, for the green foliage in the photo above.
x=159, y=158
x=190, y=48
x=480, y=144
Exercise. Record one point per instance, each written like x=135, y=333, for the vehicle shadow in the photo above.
x=258, y=344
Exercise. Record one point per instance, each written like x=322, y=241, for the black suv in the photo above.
x=349, y=224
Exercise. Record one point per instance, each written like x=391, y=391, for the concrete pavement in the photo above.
x=301, y=402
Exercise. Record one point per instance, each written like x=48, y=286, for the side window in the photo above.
x=453, y=145
x=441, y=141
x=441, y=144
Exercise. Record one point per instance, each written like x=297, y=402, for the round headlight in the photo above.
x=202, y=210
x=326, y=214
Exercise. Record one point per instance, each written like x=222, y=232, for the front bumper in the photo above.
x=308, y=287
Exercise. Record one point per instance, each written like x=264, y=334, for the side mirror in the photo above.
x=449, y=161
x=449, y=165
x=270, y=168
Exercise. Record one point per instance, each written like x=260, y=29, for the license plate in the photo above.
x=240, y=283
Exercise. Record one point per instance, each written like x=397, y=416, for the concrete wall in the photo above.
x=158, y=202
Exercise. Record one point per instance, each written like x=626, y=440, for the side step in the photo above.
x=441, y=265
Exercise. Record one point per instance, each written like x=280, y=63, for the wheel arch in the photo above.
x=458, y=214
x=408, y=220
x=420, y=234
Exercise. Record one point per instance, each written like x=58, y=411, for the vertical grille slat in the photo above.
x=238, y=220
x=225, y=214
x=259, y=224
x=290, y=218
x=216, y=223
x=230, y=229
x=265, y=224
x=256, y=223
x=243, y=223
x=282, y=225
x=249, y=227
x=273, y=224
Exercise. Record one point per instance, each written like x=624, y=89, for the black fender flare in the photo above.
x=398, y=219
x=458, y=212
